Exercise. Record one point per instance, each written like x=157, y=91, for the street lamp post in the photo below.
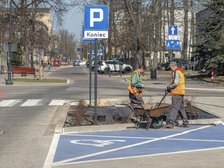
x=9, y=80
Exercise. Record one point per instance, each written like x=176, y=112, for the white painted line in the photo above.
x=205, y=89
x=1, y=132
x=9, y=103
x=145, y=138
x=74, y=103
x=58, y=102
x=218, y=122
x=143, y=156
x=128, y=146
x=32, y=102
x=51, y=153
x=187, y=88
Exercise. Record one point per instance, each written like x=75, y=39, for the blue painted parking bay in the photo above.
x=73, y=148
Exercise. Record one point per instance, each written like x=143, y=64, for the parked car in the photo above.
x=82, y=63
x=76, y=63
x=184, y=64
x=56, y=63
x=113, y=66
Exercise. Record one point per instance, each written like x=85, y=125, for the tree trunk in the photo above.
x=111, y=15
x=193, y=39
x=136, y=32
x=185, y=36
x=172, y=20
x=164, y=13
x=157, y=18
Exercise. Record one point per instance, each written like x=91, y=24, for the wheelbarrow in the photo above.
x=146, y=115
x=146, y=118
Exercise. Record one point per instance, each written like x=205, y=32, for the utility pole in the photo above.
x=9, y=57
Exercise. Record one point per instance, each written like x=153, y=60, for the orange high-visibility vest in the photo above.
x=132, y=89
x=180, y=88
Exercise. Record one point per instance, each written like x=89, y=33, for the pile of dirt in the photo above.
x=82, y=115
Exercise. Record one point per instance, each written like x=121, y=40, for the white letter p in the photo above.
x=92, y=19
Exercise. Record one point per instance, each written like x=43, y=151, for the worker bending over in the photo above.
x=135, y=87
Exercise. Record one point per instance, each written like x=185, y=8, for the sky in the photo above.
x=73, y=21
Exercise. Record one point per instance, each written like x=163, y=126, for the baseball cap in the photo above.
x=172, y=64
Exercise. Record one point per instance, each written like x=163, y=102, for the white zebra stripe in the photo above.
x=32, y=102
x=9, y=103
x=58, y=102
x=74, y=103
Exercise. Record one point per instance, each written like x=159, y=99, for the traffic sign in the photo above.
x=172, y=30
x=99, y=52
x=96, y=22
x=86, y=40
x=95, y=34
x=96, y=17
x=173, y=45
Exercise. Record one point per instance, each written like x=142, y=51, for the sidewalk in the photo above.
x=163, y=79
x=45, y=75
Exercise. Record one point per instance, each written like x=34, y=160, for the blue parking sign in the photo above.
x=96, y=17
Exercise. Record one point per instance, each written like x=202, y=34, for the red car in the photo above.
x=56, y=63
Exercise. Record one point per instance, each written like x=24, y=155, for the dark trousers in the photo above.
x=136, y=99
x=177, y=107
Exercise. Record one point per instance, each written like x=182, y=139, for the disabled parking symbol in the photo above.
x=95, y=142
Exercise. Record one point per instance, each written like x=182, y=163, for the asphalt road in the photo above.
x=27, y=114
x=26, y=130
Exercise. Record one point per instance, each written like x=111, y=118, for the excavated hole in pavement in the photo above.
x=82, y=115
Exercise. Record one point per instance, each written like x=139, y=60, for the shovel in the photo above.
x=162, y=98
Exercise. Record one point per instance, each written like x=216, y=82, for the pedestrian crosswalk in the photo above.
x=34, y=102
x=9, y=103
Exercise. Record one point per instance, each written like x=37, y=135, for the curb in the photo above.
x=62, y=114
x=97, y=128
x=61, y=118
x=206, y=121
x=187, y=88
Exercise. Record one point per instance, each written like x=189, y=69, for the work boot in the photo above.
x=176, y=123
x=169, y=124
x=185, y=123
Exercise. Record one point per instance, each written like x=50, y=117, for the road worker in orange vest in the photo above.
x=176, y=88
x=135, y=87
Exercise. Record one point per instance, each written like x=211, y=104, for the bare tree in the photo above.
x=65, y=44
x=32, y=33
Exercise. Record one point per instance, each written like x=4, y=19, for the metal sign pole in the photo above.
x=90, y=74
x=95, y=85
